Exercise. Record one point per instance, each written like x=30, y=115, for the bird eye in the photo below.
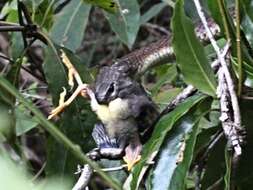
x=111, y=88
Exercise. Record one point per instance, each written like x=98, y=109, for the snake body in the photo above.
x=139, y=61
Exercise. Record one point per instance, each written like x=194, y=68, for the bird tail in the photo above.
x=101, y=138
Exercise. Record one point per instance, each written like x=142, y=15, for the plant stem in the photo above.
x=58, y=135
x=224, y=20
x=238, y=48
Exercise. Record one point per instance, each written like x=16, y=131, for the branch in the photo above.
x=86, y=173
x=188, y=91
x=225, y=90
x=223, y=63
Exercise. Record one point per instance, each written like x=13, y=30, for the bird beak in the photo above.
x=132, y=156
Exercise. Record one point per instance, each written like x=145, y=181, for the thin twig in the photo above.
x=12, y=28
x=40, y=171
x=6, y=58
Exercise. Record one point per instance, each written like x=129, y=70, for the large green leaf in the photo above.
x=247, y=20
x=247, y=6
x=126, y=22
x=76, y=121
x=152, y=147
x=215, y=166
x=70, y=23
x=175, y=158
x=190, y=53
x=244, y=172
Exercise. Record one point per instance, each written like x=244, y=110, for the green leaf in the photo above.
x=126, y=22
x=7, y=119
x=152, y=12
x=248, y=72
x=247, y=20
x=43, y=14
x=15, y=177
x=244, y=175
x=164, y=125
x=10, y=10
x=17, y=46
x=70, y=23
x=7, y=101
x=176, y=156
x=110, y=6
x=34, y=3
x=247, y=6
x=165, y=74
x=190, y=53
x=24, y=121
x=215, y=166
x=165, y=96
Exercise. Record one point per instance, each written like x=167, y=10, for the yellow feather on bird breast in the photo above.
x=116, y=110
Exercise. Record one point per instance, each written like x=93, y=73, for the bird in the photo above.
x=125, y=111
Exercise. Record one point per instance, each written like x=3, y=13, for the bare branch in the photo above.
x=231, y=88
x=84, y=179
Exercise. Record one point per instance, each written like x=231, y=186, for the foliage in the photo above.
x=97, y=32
